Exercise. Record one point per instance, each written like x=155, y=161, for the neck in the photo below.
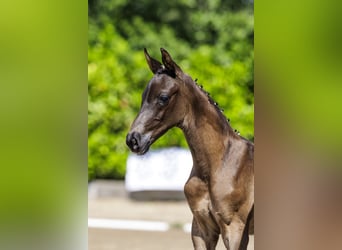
x=207, y=133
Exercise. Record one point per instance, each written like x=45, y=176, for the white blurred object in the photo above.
x=159, y=174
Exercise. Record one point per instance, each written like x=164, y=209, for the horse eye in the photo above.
x=163, y=99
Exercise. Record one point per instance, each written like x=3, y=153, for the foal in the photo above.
x=220, y=189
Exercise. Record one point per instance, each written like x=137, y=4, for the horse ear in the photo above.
x=152, y=63
x=170, y=65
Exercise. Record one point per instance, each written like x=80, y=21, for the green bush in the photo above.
x=215, y=46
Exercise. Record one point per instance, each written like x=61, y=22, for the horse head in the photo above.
x=163, y=104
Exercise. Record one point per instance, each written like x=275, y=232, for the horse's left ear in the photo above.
x=169, y=64
x=152, y=63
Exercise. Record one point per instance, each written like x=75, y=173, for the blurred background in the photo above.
x=47, y=54
x=212, y=41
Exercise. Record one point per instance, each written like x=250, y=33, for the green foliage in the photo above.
x=210, y=40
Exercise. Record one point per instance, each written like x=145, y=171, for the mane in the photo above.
x=164, y=70
x=218, y=109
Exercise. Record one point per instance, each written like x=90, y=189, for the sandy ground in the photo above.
x=104, y=239
x=108, y=200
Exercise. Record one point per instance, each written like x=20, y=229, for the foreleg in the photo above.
x=202, y=237
x=232, y=234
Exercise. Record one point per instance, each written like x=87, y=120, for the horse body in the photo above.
x=220, y=189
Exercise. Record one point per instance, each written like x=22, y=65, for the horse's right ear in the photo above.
x=170, y=65
x=152, y=63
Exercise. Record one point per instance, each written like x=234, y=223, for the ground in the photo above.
x=108, y=200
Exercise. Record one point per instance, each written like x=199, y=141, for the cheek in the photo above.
x=173, y=113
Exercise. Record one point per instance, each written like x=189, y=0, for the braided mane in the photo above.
x=214, y=103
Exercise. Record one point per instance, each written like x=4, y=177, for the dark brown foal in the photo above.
x=220, y=189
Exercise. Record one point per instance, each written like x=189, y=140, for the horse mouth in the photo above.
x=145, y=145
x=143, y=150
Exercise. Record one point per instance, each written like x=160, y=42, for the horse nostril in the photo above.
x=134, y=144
x=132, y=141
